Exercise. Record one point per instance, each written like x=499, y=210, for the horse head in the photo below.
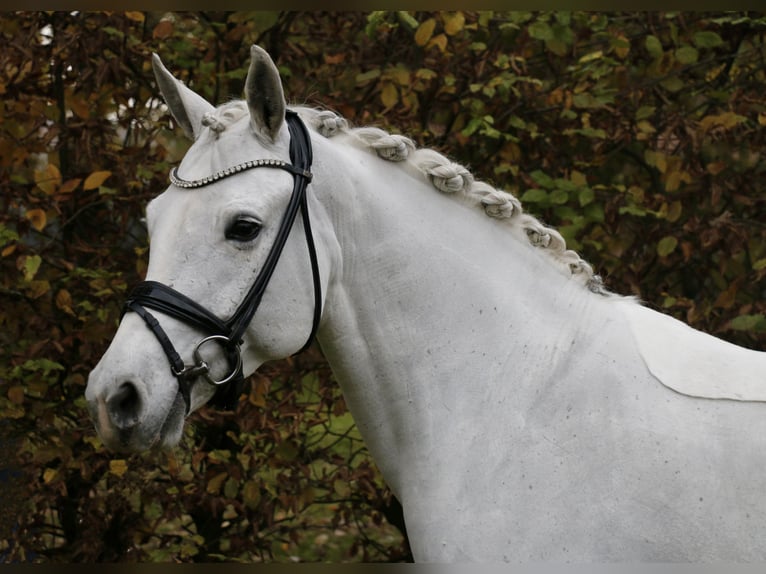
x=220, y=234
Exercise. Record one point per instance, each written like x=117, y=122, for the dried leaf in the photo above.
x=118, y=467
x=37, y=288
x=439, y=41
x=251, y=494
x=715, y=167
x=424, y=32
x=64, y=301
x=725, y=121
x=70, y=185
x=79, y=105
x=16, y=394
x=48, y=179
x=454, y=23
x=673, y=181
x=215, y=483
x=95, y=179
x=163, y=30
x=135, y=16
x=37, y=218
x=727, y=298
x=621, y=45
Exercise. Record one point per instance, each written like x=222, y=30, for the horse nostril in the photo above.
x=125, y=406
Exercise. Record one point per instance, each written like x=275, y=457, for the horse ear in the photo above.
x=264, y=95
x=186, y=106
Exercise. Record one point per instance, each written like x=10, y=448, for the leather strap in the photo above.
x=168, y=301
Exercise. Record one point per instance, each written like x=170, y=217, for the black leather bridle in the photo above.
x=228, y=333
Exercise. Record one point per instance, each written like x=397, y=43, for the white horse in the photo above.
x=518, y=410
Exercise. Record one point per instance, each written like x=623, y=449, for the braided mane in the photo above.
x=446, y=176
x=452, y=178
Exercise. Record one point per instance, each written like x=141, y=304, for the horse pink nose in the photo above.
x=125, y=406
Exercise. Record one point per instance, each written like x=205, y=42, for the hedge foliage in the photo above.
x=638, y=135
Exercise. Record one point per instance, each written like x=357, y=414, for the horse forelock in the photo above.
x=454, y=179
x=225, y=115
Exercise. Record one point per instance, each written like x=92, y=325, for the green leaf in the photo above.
x=645, y=112
x=540, y=31
x=374, y=20
x=153, y=510
x=666, y=246
x=559, y=196
x=653, y=46
x=707, y=39
x=535, y=195
x=542, y=179
x=44, y=365
x=748, y=323
x=7, y=235
x=672, y=84
x=586, y=196
x=407, y=19
x=31, y=266
x=585, y=100
x=687, y=55
x=595, y=212
x=365, y=77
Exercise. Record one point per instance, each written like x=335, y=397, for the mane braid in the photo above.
x=444, y=175
x=452, y=178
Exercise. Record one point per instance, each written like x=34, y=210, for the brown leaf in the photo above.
x=163, y=30
x=453, y=23
x=439, y=41
x=95, y=179
x=215, y=483
x=37, y=218
x=425, y=31
x=118, y=467
x=135, y=16
x=70, y=185
x=16, y=394
x=48, y=179
x=64, y=301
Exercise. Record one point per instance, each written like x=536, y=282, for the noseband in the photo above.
x=228, y=333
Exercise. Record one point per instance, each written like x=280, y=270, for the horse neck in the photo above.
x=433, y=304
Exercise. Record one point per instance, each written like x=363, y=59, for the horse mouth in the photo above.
x=139, y=437
x=172, y=429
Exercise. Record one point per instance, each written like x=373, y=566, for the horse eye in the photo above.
x=243, y=228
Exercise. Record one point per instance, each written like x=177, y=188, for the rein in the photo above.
x=228, y=333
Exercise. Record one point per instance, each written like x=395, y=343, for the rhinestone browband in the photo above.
x=278, y=163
